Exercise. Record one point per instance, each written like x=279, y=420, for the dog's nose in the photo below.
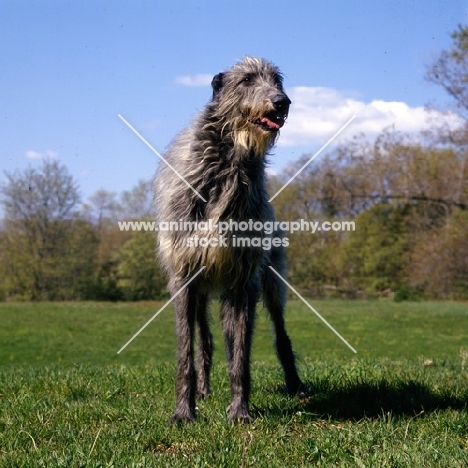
x=281, y=103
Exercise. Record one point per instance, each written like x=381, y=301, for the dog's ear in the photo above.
x=217, y=83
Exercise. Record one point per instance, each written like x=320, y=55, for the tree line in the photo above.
x=55, y=248
x=409, y=202
x=408, y=198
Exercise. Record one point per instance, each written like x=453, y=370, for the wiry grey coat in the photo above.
x=216, y=171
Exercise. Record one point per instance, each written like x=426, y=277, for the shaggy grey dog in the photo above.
x=221, y=161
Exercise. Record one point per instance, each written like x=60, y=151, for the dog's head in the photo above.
x=250, y=99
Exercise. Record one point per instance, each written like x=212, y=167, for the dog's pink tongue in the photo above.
x=271, y=124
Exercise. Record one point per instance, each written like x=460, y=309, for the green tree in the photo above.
x=47, y=250
x=375, y=255
x=439, y=260
x=139, y=274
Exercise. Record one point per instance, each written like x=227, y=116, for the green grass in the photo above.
x=92, y=333
x=68, y=400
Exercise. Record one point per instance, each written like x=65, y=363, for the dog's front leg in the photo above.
x=186, y=377
x=238, y=314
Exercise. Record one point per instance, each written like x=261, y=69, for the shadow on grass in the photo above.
x=371, y=400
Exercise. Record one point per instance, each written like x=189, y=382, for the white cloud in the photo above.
x=316, y=114
x=201, y=79
x=271, y=171
x=31, y=154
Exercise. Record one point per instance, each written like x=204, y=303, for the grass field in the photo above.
x=67, y=399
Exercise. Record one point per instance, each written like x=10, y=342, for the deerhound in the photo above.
x=215, y=173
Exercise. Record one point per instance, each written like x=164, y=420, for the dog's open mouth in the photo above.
x=271, y=122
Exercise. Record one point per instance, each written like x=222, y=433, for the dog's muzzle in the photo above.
x=272, y=121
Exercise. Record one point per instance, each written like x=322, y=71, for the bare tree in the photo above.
x=450, y=70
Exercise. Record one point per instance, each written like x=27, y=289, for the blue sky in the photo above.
x=69, y=68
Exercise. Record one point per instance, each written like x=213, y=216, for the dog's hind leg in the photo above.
x=205, y=347
x=274, y=298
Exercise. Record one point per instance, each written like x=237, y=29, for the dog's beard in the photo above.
x=253, y=138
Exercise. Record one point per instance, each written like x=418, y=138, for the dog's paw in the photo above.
x=299, y=389
x=182, y=417
x=239, y=414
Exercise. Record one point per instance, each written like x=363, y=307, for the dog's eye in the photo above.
x=278, y=81
x=248, y=79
